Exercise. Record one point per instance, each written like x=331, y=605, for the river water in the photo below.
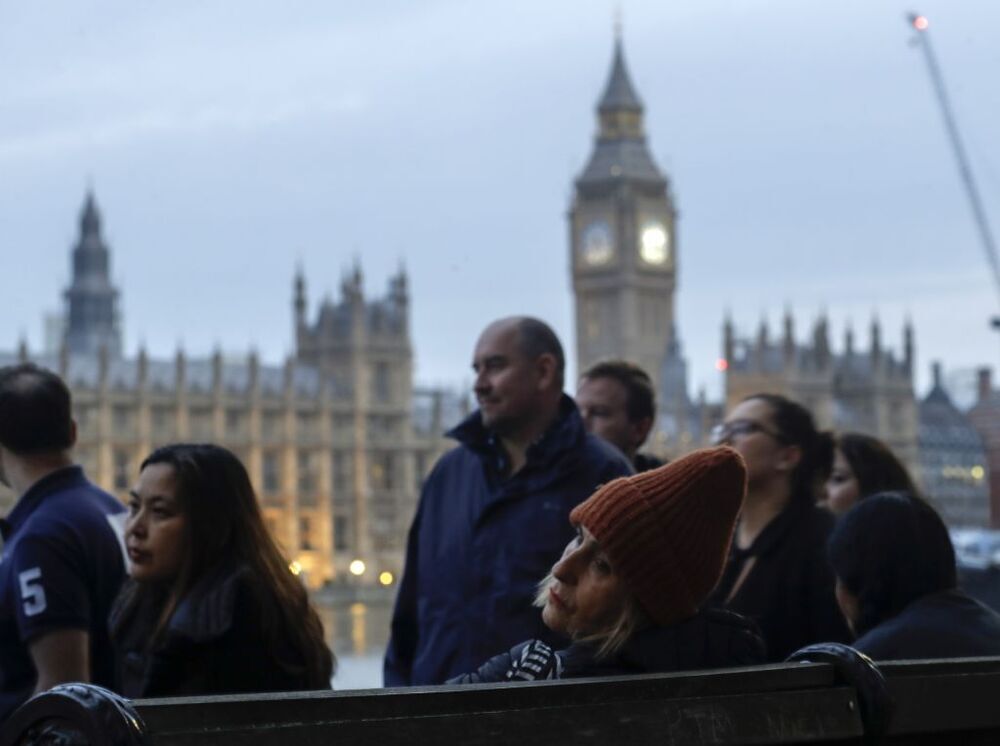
x=357, y=633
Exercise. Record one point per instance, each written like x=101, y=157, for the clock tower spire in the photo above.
x=623, y=250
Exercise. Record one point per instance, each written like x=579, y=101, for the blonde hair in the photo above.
x=609, y=641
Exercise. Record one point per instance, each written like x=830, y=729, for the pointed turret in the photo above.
x=728, y=339
x=399, y=287
x=91, y=299
x=620, y=151
x=619, y=94
x=821, y=341
x=908, y=346
x=763, y=335
x=90, y=218
x=876, y=339
x=299, y=301
x=788, y=339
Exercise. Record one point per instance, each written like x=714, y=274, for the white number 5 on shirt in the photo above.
x=32, y=592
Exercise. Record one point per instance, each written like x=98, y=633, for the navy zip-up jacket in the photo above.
x=480, y=543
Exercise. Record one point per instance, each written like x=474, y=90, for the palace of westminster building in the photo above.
x=337, y=439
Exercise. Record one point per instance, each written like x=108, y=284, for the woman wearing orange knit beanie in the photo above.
x=629, y=589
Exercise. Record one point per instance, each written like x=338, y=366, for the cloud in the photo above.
x=207, y=119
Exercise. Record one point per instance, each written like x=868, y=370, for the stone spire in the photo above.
x=299, y=303
x=92, y=301
x=908, y=345
x=620, y=152
x=619, y=94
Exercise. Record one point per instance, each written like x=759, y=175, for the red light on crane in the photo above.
x=721, y=364
x=920, y=23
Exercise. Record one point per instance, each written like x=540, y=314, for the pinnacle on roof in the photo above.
x=619, y=93
x=90, y=218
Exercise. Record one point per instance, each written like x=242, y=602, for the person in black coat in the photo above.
x=863, y=466
x=211, y=606
x=896, y=584
x=778, y=573
x=629, y=588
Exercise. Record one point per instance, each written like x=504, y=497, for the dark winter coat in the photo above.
x=941, y=625
x=789, y=591
x=214, y=644
x=711, y=639
x=481, y=542
x=646, y=462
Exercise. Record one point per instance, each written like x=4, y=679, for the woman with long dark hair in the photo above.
x=897, y=583
x=211, y=606
x=862, y=466
x=777, y=572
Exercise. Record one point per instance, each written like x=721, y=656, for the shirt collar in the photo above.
x=67, y=476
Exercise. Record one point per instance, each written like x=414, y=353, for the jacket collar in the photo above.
x=207, y=611
x=60, y=479
x=662, y=647
x=563, y=434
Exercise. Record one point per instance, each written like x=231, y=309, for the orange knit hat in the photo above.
x=667, y=531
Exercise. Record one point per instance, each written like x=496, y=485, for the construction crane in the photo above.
x=922, y=39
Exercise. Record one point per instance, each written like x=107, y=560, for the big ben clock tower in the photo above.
x=623, y=249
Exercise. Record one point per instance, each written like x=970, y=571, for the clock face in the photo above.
x=596, y=248
x=654, y=243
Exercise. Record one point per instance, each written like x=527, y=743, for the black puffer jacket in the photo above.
x=213, y=644
x=713, y=638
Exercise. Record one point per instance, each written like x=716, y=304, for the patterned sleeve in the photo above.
x=537, y=662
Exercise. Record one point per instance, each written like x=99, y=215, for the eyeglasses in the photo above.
x=727, y=431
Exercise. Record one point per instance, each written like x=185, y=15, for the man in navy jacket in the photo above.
x=494, y=512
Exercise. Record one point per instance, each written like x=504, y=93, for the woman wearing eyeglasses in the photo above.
x=778, y=573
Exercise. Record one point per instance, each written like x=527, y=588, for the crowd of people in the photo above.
x=545, y=545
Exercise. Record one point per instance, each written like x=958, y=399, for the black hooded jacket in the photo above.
x=713, y=638
x=213, y=644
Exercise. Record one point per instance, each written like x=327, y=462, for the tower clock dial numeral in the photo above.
x=596, y=248
x=654, y=243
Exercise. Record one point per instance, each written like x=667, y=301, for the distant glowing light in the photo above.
x=385, y=578
x=920, y=23
x=978, y=472
x=295, y=568
x=722, y=365
x=357, y=567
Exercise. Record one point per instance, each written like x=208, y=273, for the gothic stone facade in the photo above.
x=336, y=440
x=952, y=460
x=868, y=391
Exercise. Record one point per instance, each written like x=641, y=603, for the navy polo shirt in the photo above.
x=62, y=565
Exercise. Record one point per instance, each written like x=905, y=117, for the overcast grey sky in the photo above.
x=228, y=141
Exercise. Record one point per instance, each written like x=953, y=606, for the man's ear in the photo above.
x=72, y=433
x=547, y=369
x=640, y=431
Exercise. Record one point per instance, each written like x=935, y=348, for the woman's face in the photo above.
x=750, y=430
x=585, y=596
x=842, y=489
x=154, y=532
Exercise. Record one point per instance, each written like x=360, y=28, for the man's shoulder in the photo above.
x=460, y=463
x=81, y=501
x=81, y=508
x=461, y=458
x=601, y=455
